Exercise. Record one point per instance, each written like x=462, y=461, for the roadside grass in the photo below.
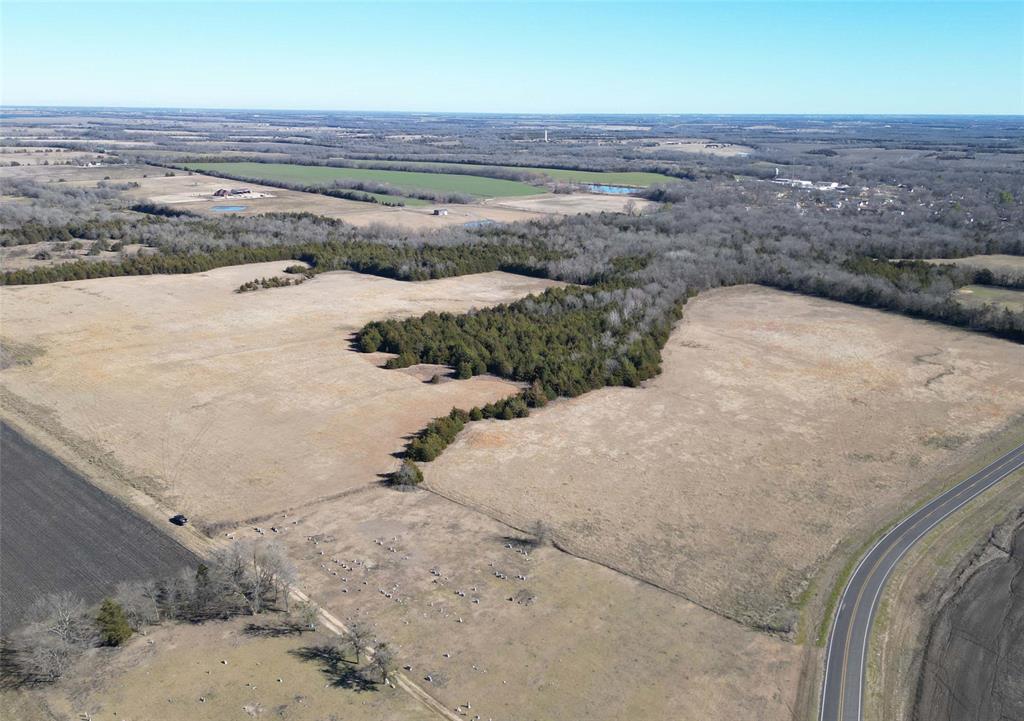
x=323, y=175
x=914, y=590
x=839, y=586
x=977, y=460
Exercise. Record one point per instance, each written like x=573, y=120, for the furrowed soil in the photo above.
x=781, y=426
x=229, y=406
x=60, y=533
x=973, y=663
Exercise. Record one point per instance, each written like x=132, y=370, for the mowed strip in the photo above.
x=401, y=179
x=59, y=533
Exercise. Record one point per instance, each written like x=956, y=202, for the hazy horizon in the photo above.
x=603, y=58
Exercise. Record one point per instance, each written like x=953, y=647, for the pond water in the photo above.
x=611, y=189
x=228, y=208
x=479, y=223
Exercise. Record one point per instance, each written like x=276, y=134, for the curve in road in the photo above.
x=845, y=660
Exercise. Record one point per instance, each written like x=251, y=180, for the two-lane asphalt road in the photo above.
x=846, y=660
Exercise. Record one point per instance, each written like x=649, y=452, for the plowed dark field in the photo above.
x=58, y=532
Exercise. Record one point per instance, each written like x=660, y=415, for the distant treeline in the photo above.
x=399, y=262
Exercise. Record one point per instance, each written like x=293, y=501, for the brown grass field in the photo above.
x=175, y=674
x=571, y=204
x=577, y=641
x=229, y=406
x=255, y=406
x=679, y=483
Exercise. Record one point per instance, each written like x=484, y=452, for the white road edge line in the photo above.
x=842, y=598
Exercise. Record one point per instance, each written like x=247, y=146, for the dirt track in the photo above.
x=60, y=533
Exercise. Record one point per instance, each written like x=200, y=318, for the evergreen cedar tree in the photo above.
x=112, y=624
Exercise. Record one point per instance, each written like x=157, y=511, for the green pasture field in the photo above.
x=403, y=180
x=976, y=295
x=596, y=177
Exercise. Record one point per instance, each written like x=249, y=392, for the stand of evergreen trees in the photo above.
x=391, y=261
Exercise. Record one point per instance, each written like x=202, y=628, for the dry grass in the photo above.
x=917, y=589
x=37, y=155
x=573, y=204
x=700, y=146
x=781, y=426
x=230, y=406
x=578, y=641
x=176, y=674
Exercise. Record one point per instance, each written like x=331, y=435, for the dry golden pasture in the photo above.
x=175, y=673
x=781, y=426
x=577, y=640
x=228, y=406
x=572, y=203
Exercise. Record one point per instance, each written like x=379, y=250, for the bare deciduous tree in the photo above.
x=139, y=601
x=358, y=635
x=383, y=661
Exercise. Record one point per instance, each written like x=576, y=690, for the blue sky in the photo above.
x=544, y=57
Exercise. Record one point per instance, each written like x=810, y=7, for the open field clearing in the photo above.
x=60, y=533
x=700, y=146
x=597, y=177
x=195, y=193
x=227, y=406
x=39, y=155
x=175, y=674
x=72, y=173
x=35, y=255
x=781, y=426
x=995, y=263
x=414, y=564
x=633, y=179
x=981, y=294
x=322, y=175
x=573, y=204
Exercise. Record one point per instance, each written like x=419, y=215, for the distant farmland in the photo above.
x=403, y=180
x=596, y=177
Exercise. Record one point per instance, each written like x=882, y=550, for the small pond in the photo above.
x=479, y=223
x=611, y=189
x=228, y=208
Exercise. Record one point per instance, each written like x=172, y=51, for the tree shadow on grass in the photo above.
x=272, y=630
x=342, y=672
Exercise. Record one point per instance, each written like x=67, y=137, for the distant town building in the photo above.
x=440, y=211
